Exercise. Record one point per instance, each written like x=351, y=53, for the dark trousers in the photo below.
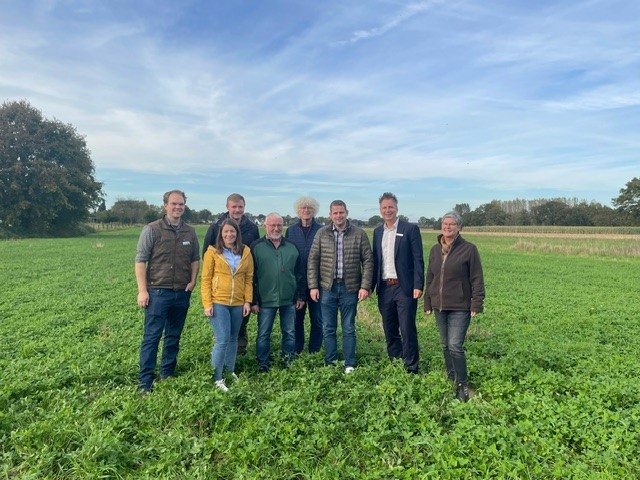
x=399, y=324
x=243, y=339
x=315, y=321
x=164, y=317
x=453, y=326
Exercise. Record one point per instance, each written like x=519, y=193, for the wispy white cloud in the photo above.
x=602, y=98
x=389, y=24
x=489, y=101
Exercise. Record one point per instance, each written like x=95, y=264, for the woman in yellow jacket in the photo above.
x=227, y=292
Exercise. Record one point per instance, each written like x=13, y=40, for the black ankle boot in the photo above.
x=462, y=393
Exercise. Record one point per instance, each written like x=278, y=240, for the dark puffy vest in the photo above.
x=170, y=262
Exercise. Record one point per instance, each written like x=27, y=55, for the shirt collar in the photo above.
x=395, y=226
x=346, y=227
x=176, y=227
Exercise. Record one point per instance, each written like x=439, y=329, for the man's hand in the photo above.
x=363, y=293
x=314, y=293
x=417, y=293
x=143, y=299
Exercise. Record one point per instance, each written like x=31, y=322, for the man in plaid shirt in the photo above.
x=340, y=273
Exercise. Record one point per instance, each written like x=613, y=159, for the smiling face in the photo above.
x=389, y=211
x=273, y=226
x=174, y=207
x=306, y=213
x=236, y=210
x=339, y=216
x=229, y=236
x=450, y=229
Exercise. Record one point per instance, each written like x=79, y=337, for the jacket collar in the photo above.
x=346, y=228
x=166, y=223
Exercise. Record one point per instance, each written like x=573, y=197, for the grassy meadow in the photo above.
x=554, y=361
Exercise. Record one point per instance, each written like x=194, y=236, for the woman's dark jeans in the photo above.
x=453, y=326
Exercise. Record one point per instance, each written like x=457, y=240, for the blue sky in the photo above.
x=440, y=102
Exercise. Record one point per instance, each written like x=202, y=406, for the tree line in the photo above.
x=518, y=212
x=556, y=211
x=135, y=212
x=48, y=188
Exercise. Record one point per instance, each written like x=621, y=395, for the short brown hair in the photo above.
x=338, y=203
x=235, y=197
x=165, y=197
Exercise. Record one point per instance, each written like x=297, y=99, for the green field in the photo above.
x=554, y=360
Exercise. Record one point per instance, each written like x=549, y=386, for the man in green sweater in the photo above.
x=278, y=288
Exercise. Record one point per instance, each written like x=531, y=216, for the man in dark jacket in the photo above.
x=301, y=235
x=166, y=267
x=398, y=276
x=249, y=232
x=278, y=288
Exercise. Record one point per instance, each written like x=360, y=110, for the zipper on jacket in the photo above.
x=233, y=278
x=444, y=259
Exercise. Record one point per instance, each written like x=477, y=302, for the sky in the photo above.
x=439, y=102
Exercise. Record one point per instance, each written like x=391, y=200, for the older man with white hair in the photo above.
x=302, y=234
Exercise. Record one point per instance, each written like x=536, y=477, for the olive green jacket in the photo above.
x=358, y=259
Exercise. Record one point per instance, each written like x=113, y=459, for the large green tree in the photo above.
x=135, y=211
x=375, y=221
x=553, y=212
x=629, y=199
x=47, y=177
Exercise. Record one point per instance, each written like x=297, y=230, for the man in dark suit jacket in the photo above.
x=399, y=280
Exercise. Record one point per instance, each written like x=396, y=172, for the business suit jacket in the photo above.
x=409, y=260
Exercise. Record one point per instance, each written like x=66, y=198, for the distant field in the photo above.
x=614, y=232
x=582, y=244
x=554, y=360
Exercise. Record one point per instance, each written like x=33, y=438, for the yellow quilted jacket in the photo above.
x=220, y=285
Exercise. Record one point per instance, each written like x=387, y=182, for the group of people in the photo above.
x=325, y=269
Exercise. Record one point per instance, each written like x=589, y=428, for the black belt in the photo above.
x=338, y=280
x=391, y=281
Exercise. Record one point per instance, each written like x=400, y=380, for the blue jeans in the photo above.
x=453, y=326
x=226, y=326
x=315, y=334
x=165, y=314
x=347, y=303
x=266, y=316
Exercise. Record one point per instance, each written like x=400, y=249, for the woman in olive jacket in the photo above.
x=455, y=293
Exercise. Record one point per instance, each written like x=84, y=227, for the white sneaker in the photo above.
x=221, y=386
x=349, y=370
